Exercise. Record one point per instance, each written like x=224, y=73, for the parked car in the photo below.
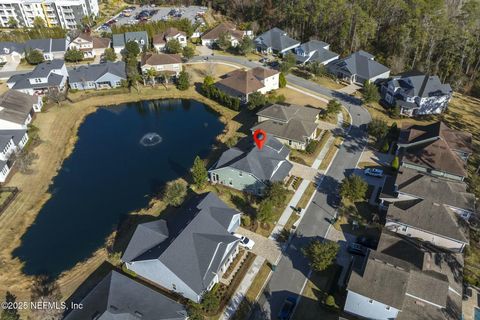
x=355, y=248
x=287, y=308
x=374, y=172
x=368, y=242
x=245, y=242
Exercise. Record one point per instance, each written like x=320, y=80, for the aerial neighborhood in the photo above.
x=239, y=160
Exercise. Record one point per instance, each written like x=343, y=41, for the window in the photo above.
x=174, y=287
x=404, y=229
x=230, y=182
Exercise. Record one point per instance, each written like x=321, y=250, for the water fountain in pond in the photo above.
x=150, y=139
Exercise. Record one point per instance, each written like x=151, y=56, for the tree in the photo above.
x=256, y=100
x=276, y=193
x=370, y=92
x=175, y=192
x=333, y=107
x=395, y=163
x=46, y=290
x=173, y=46
x=245, y=46
x=265, y=211
x=183, y=81
x=110, y=55
x=282, y=81
x=151, y=74
x=10, y=313
x=210, y=300
x=353, y=188
x=188, y=52
x=208, y=81
x=199, y=173
x=321, y=254
x=288, y=62
x=34, y=57
x=38, y=23
x=316, y=68
x=12, y=22
x=377, y=128
x=24, y=160
x=223, y=41
x=194, y=311
x=74, y=55
x=132, y=49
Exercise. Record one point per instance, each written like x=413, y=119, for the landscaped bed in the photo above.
x=307, y=158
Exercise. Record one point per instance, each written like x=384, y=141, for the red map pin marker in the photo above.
x=259, y=136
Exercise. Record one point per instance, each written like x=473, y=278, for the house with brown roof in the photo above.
x=242, y=83
x=233, y=34
x=405, y=280
x=170, y=64
x=436, y=149
x=90, y=45
x=159, y=41
x=293, y=125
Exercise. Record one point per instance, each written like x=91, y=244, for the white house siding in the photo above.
x=79, y=44
x=270, y=83
x=113, y=80
x=118, y=50
x=237, y=180
x=207, y=42
x=157, y=272
x=384, y=75
x=37, y=107
x=4, y=172
x=174, y=67
x=7, y=150
x=440, y=241
x=159, y=47
x=286, y=50
x=368, y=308
x=292, y=144
x=330, y=60
x=8, y=125
x=22, y=142
x=85, y=85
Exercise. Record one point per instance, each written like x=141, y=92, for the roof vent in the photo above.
x=138, y=314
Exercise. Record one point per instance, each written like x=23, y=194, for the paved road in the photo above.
x=292, y=269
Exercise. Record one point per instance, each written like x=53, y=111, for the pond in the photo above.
x=123, y=156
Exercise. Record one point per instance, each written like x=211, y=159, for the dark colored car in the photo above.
x=368, y=242
x=287, y=308
x=355, y=248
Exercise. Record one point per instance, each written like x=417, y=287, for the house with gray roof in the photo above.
x=11, y=141
x=275, y=41
x=189, y=254
x=17, y=109
x=403, y=280
x=97, y=76
x=358, y=68
x=254, y=169
x=293, y=125
x=47, y=76
x=11, y=50
x=416, y=93
x=119, y=40
x=119, y=297
x=315, y=51
x=50, y=48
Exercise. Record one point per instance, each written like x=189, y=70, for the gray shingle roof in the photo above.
x=42, y=70
x=11, y=47
x=292, y=122
x=417, y=84
x=360, y=63
x=195, y=251
x=16, y=106
x=268, y=164
x=320, y=52
x=94, y=71
x=117, y=297
x=119, y=40
x=276, y=39
x=16, y=135
x=47, y=45
x=4, y=140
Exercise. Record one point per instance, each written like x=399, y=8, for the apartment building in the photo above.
x=67, y=14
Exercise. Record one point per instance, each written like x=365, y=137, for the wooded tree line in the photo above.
x=436, y=36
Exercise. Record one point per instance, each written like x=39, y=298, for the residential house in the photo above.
x=50, y=48
x=254, y=169
x=11, y=51
x=229, y=29
x=275, y=41
x=293, y=125
x=169, y=64
x=90, y=46
x=189, y=254
x=17, y=109
x=159, y=41
x=242, y=83
x=423, y=200
x=47, y=76
x=315, y=51
x=404, y=280
x=98, y=76
x=358, y=68
x=119, y=296
x=140, y=37
x=416, y=93
x=10, y=141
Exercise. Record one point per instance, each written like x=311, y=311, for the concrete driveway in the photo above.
x=350, y=89
x=304, y=172
x=12, y=63
x=263, y=247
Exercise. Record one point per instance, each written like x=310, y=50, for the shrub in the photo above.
x=199, y=173
x=232, y=141
x=173, y=46
x=73, y=55
x=353, y=188
x=175, y=192
x=370, y=92
x=212, y=92
x=311, y=146
x=330, y=301
x=321, y=254
x=256, y=100
x=34, y=57
x=210, y=300
x=282, y=81
x=385, y=146
x=183, y=81
x=246, y=221
x=395, y=163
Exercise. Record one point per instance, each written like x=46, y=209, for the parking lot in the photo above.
x=149, y=13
